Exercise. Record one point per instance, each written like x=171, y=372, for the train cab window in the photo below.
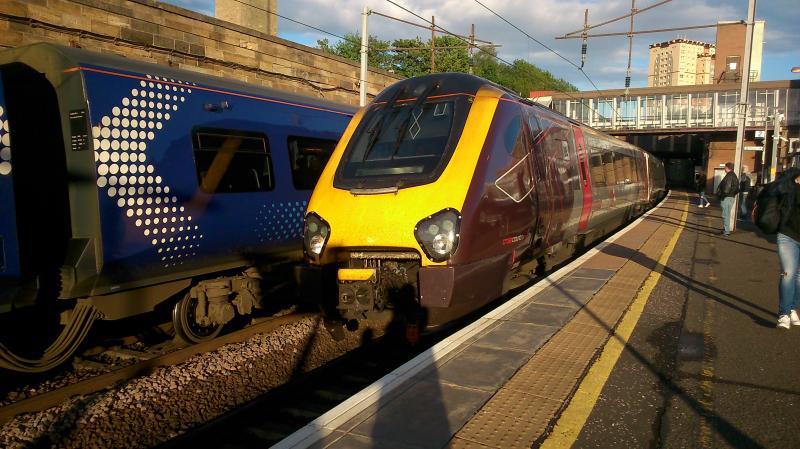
x=308, y=157
x=232, y=161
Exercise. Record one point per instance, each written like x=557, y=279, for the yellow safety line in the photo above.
x=572, y=420
x=705, y=438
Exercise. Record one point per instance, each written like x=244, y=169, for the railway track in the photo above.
x=139, y=365
x=277, y=414
x=255, y=404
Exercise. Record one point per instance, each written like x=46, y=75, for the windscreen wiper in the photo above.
x=404, y=126
x=376, y=129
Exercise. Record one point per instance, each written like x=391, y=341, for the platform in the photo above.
x=663, y=335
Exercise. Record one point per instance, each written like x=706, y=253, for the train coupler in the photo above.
x=357, y=291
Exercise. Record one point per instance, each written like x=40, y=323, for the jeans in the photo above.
x=727, y=204
x=789, y=254
x=703, y=200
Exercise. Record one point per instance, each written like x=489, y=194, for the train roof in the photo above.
x=53, y=60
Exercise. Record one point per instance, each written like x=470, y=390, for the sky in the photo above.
x=607, y=57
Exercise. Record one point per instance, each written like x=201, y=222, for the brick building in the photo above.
x=730, y=51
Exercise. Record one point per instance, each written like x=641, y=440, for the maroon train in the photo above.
x=447, y=188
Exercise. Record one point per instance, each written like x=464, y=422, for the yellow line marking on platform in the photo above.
x=705, y=438
x=573, y=419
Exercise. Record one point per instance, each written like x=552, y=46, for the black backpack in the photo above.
x=767, y=209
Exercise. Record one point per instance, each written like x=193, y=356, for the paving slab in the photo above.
x=558, y=296
x=517, y=336
x=593, y=273
x=481, y=367
x=544, y=314
x=428, y=415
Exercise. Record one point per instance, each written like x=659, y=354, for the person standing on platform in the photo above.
x=788, y=187
x=744, y=190
x=727, y=190
x=700, y=181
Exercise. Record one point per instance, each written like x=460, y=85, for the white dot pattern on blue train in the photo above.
x=5, y=144
x=280, y=221
x=121, y=142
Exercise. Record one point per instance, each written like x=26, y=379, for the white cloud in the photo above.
x=545, y=19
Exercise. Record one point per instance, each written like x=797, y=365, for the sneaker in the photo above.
x=784, y=322
x=794, y=318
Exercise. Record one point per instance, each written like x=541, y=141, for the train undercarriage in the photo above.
x=201, y=308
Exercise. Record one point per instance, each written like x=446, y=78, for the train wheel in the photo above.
x=186, y=326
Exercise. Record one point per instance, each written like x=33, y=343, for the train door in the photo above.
x=648, y=180
x=37, y=179
x=543, y=190
x=9, y=250
x=583, y=172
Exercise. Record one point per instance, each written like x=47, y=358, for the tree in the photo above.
x=411, y=62
x=414, y=58
x=451, y=59
x=523, y=77
x=350, y=48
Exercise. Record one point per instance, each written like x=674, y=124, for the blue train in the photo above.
x=124, y=184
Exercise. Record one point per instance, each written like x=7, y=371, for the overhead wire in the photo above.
x=577, y=66
x=485, y=51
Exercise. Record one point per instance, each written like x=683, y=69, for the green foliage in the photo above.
x=350, y=48
x=413, y=58
x=411, y=62
x=523, y=77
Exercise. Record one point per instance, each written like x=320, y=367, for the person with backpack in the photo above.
x=727, y=190
x=777, y=210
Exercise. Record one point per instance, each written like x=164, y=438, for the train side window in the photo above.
x=232, y=161
x=619, y=168
x=308, y=157
x=597, y=172
x=608, y=168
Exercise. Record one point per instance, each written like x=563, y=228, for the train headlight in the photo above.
x=438, y=234
x=316, y=232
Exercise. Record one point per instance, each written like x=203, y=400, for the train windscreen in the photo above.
x=405, y=139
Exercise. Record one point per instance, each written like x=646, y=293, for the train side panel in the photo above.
x=168, y=201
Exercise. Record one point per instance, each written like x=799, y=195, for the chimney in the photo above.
x=253, y=14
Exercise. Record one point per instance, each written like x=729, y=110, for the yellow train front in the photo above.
x=439, y=191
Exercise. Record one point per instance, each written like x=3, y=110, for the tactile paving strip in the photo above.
x=501, y=431
x=522, y=410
